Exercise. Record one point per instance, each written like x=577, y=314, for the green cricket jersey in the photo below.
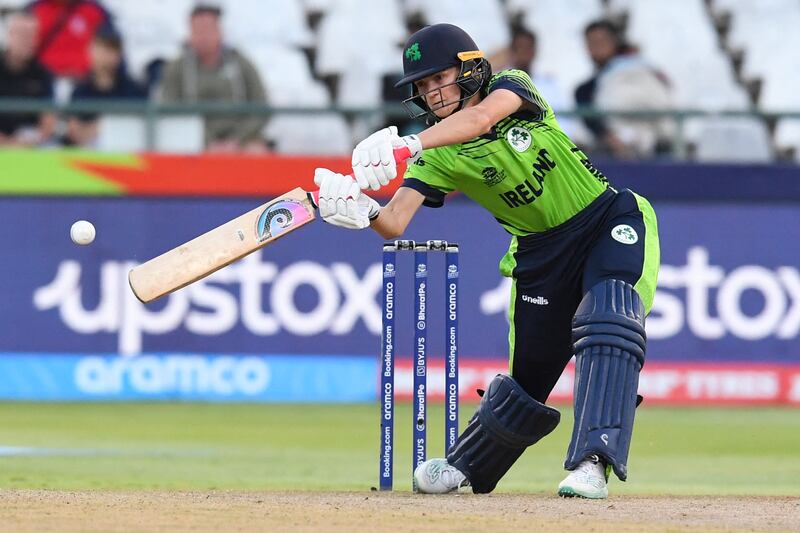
x=525, y=171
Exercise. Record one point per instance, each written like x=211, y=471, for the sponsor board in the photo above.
x=235, y=298
x=190, y=377
x=729, y=291
x=666, y=383
x=300, y=378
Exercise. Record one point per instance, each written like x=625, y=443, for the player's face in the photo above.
x=440, y=92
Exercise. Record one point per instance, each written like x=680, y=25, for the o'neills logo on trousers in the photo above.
x=539, y=300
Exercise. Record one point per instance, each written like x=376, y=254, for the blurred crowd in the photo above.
x=75, y=44
x=72, y=50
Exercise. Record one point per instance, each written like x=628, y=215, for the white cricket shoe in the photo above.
x=437, y=476
x=588, y=480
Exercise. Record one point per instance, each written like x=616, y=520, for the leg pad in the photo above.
x=609, y=339
x=507, y=421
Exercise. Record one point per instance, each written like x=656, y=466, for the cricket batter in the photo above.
x=583, y=258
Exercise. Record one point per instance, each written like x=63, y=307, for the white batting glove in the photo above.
x=373, y=158
x=341, y=202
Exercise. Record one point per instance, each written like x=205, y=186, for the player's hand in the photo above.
x=341, y=202
x=373, y=158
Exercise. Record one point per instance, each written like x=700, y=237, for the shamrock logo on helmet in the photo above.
x=413, y=53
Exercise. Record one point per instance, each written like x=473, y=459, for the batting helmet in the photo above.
x=436, y=48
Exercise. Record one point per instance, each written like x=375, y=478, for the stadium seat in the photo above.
x=287, y=77
x=550, y=16
x=359, y=89
x=701, y=79
x=484, y=20
x=318, y=6
x=706, y=82
x=114, y=6
x=672, y=26
x=151, y=29
x=768, y=55
x=62, y=90
x=318, y=134
x=121, y=133
x=766, y=32
x=258, y=22
x=180, y=134
x=734, y=139
x=787, y=135
x=360, y=35
x=13, y=4
x=780, y=94
x=559, y=56
x=128, y=133
x=749, y=20
x=561, y=49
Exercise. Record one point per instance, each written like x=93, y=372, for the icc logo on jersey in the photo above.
x=519, y=138
x=491, y=176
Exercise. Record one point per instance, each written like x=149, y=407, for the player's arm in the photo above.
x=393, y=218
x=472, y=121
x=373, y=162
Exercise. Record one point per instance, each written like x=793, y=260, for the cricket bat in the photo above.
x=227, y=243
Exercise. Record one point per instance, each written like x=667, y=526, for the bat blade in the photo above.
x=221, y=246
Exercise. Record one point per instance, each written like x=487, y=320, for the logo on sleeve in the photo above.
x=624, y=234
x=519, y=138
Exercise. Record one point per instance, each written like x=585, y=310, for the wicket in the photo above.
x=420, y=351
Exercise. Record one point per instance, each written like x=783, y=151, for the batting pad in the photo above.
x=609, y=337
x=507, y=421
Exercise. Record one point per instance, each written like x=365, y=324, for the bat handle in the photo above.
x=400, y=155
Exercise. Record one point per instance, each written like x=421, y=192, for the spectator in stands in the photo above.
x=66, y=28
x=21, y=76
x=521, y=55
x=208, y=71
x=108, y=79
x=623, y=81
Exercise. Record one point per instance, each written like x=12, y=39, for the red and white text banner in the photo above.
x=659, y=383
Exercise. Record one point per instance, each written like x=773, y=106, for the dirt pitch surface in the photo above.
x=64, y=511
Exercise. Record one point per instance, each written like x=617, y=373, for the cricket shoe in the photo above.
x=588, y=480
x=437, y=476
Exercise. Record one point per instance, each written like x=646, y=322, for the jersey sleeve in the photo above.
x=520, y=83
x=429, y=176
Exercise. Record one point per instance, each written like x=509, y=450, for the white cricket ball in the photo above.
x=82, y=232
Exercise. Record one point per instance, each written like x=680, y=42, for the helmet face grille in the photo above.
x=472, y=77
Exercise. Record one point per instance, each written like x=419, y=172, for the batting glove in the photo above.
x=341, y=202
x=373, y=158
x=411, y=142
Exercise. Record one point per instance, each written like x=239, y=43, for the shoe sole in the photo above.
x=569, y=492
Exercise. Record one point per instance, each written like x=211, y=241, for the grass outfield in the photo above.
x=313, y=447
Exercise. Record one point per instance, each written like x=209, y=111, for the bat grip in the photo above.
x=400, y=155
